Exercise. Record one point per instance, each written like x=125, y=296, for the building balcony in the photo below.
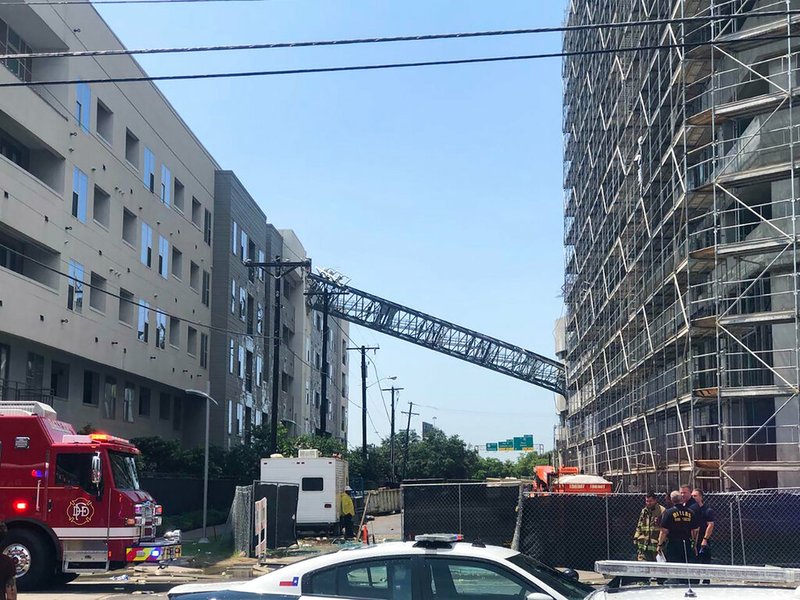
x=18, y=391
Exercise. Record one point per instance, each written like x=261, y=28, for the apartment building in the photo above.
x=241, y=305
x=106, y=209
x=681, y=220
x=301, y=381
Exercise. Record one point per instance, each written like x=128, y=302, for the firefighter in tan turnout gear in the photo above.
x=645, y=538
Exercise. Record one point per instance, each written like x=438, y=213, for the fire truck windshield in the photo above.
x=124, y=468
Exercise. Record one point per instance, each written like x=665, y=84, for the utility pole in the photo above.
x=392, y=389
x=363, y=350
x=283, y=267
x=408, y=432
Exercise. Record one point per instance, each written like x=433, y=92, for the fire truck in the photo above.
x=72, y=503
x=569, y=480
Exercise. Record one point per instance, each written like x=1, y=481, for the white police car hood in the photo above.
x=284, y=581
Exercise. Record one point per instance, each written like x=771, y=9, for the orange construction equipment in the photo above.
x=568, y=480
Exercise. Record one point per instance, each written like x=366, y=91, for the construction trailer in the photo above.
x=681, y=234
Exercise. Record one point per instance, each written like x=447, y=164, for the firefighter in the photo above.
x=346, y=512
x=677, y=524
x=645, y=538
x=8, y=570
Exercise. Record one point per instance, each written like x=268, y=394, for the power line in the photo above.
x=386, y=66
x=357, y=41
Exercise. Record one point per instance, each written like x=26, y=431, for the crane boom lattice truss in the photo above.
x=430, y=332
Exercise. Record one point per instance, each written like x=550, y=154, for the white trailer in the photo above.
x=321, y=481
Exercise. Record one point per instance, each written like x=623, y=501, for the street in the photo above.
x=101, y=590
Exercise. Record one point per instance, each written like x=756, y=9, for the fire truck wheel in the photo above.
x=35, y=562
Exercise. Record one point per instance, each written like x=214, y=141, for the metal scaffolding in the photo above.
x=681, y=277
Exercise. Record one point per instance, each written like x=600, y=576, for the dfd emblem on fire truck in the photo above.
x=80, y=511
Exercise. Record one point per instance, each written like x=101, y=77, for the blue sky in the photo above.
x=438, y=188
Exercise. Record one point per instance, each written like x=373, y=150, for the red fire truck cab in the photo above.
x=72, y=503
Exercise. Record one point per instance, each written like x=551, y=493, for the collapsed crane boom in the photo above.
x=368, y=310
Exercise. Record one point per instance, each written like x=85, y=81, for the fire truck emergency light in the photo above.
x=36, y=473
x=20, y=506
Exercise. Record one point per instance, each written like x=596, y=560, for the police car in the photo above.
x=433, y=567
x=682, y=581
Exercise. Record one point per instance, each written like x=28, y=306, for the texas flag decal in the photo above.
x=293, y=583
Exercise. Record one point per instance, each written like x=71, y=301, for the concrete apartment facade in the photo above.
x=119, y=234
x=301, y=383
x=681, y=220
x=105, y=235
x=241, y=303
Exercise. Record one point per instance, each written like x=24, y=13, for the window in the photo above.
x=248, y=371
x=128, y=396
x=260, y=318
x=251, y=253
x=231, y=356
x=196, y=208
x=312, y=484
x=146, y=250
x=261, y=258
x=230, y=417
x=101, y=209
x=110, y=398
x=242, y=304
x=174, y=332
x=129, y=227
x=206, y=293
x=179, y=193
x=75, y=286
x=34, y=371
x=239, y=419
x=243, y=246
x=191, y=341
x=233, y=296
x=250, y=307
x=163, y=257
x=177, y=263
x=131, y=148
x=12, y=43
x=105, y=122
x=177, y=414
x=259, y=370
x=80, y=190
x=161, y=330
x=451, y=579
x=149, y=173
x=235, y=239
x=240, y=362
x=207, y=226
x=143, y=328
x=91, y=387
x=164, y=406
x=97, y=293
x=75, y=470
x=204, y=350
x=344, y=385
x=144, y=401
x=166, y=184
x=126, y=302
x=194, y=276
x=59, y=380
x=83, y=103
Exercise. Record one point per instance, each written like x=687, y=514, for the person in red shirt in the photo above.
x=8, y=570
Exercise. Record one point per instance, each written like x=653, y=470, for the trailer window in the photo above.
x=75, y=470
x=124, y=468
x=312, y=484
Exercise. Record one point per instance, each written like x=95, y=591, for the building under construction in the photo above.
x=681, y=230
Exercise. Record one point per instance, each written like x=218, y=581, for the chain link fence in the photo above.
x=485, y=512
x=240, y=519
x=756, y=527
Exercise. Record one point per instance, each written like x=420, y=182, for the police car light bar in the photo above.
x=439, y=537
x=625, y=568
